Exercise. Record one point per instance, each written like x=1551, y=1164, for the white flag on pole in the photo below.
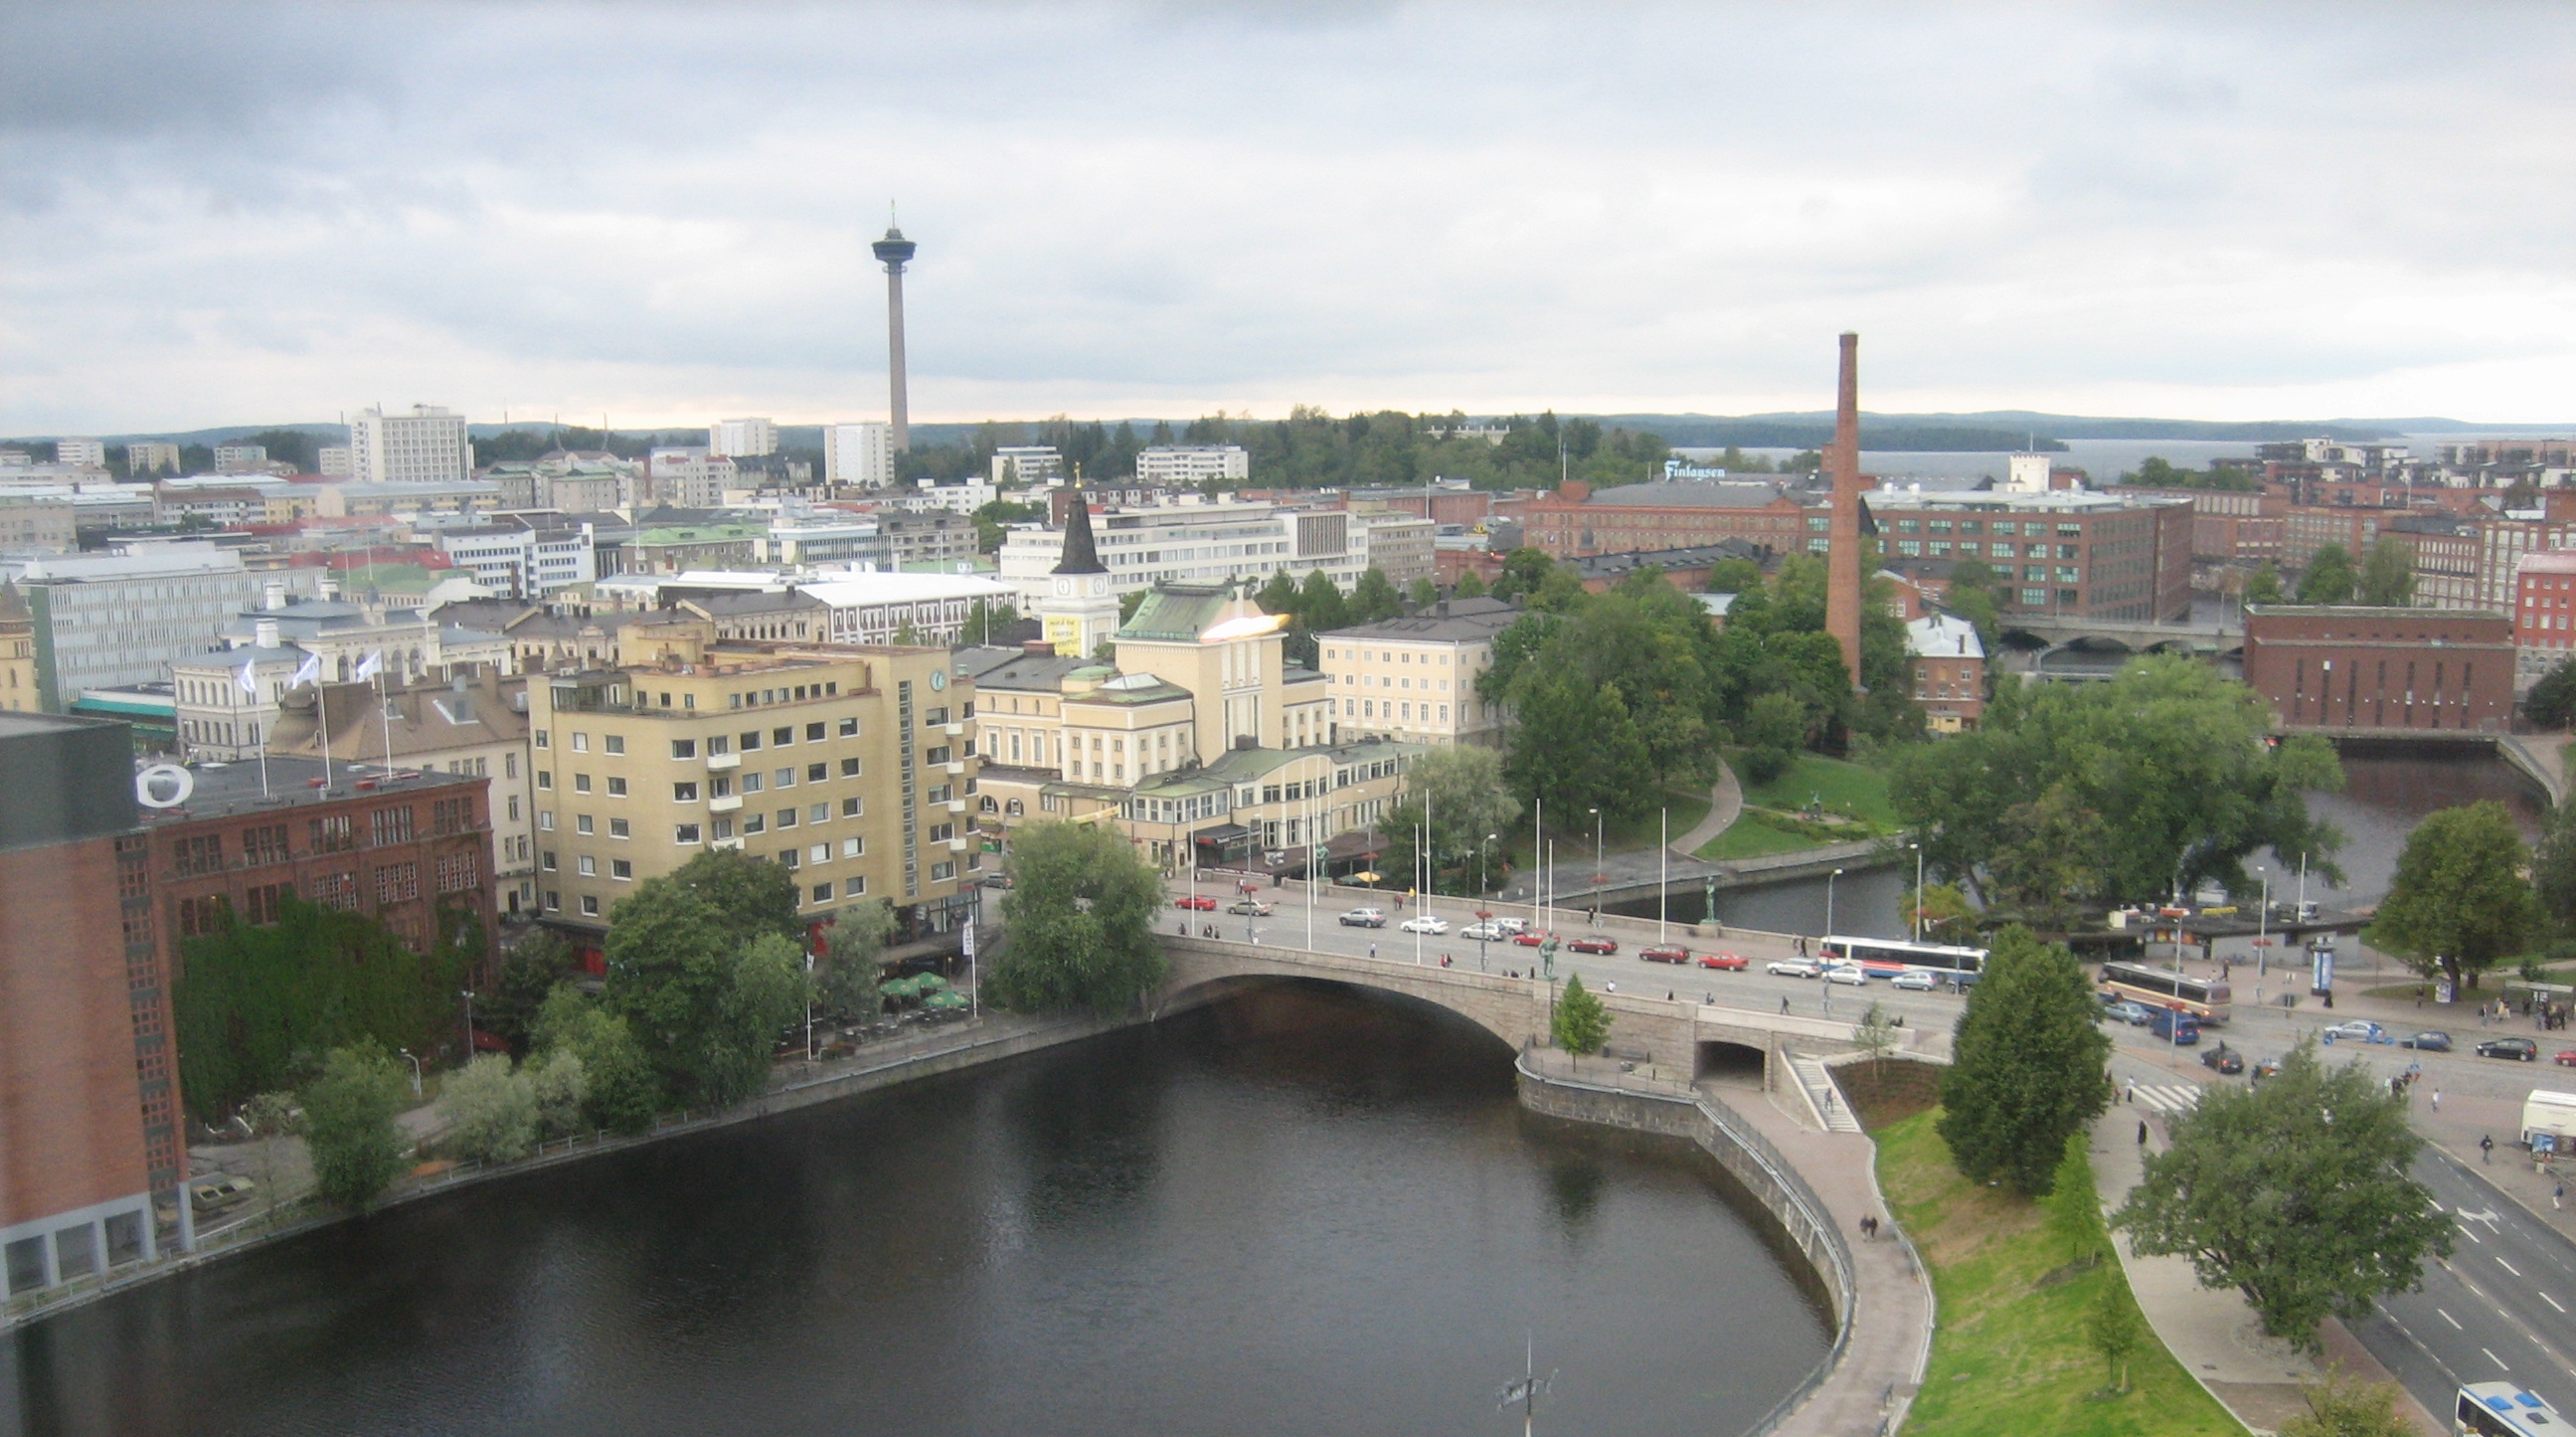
x=244, y=681
x=370, y=666
x=307, y=672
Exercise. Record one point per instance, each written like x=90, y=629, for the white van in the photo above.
x=2550, y=1116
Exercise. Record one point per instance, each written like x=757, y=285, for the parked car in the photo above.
x=1529, y=938
x=2426, y=1042
x=1848, y=974
x=2567, y=1059
x=2223, y=1059
x=1485, y=932
x=1725, y=962
x=1794, y=967
x=1914, y=980
x=2136, y=1015
x=1425, y=923
x=2360, y=1030
x=2265, y=1068
x=997, y=880
x=1203, y=905
x=1249, y=907
x=2174, y=1026
x=2520, y=1050
x=1665, y=953
x=1594, y=943
x=1363, y=918
x=221, y=1194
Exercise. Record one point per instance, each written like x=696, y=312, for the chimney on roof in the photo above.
x=272, y=594
x=1037, y=648
x=267, y=633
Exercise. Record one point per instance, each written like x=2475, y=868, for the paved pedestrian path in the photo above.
x=1725, y=805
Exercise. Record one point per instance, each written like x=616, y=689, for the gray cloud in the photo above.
x=269, y=212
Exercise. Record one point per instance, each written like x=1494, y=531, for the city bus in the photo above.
x=1887, y=957
x=2204, y=998
x=2500, y=1409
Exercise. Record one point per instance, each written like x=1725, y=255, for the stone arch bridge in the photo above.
x=1677, y=1037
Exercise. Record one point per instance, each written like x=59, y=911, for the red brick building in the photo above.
x=1578, y=520
x=2350, y=667
x=2544, y=610
x=2228, y=525
x=2054, y=552
x=399, y=848
x=88, y=1104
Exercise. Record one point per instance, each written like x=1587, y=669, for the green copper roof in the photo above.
x=1176, y=613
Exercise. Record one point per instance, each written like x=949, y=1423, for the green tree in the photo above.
x=1773, y=730
x=1523, y=570
x=1320, y=607
x=2341, y=1406
x=2553, y=870
x=1577, y=748
x=2080, y=795
x=349, y=1129
x=2027, y=1071
x=2296, y=1193
x=2459, y=903
x=847, y=972
x=986, y=619
x=706, y=964
x=2263, y=586
x=490, y=1112
x=2113, y=1329
x=254, y=1003
x=620, y=1091
x=2329, y=577
x=1580, y=1025
x=1468, y=800
x=1279, y=596
x=1422, y=594
x=507, y=1007
x=1374, y=598
x=1978, y=607
x=2552, y=701
x=560, y=1085
x=1947, y=916
x=1471, y=585
x=992, y=519
x=1734, y=576
x=1080, y=918
x=2387, y=576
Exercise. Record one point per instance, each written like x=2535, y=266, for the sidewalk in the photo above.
x=1725, y=805
x=2212, y=1333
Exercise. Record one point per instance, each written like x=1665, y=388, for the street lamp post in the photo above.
x=1829, y=900
x=1663, y=872
x=1596, y=868
x=415, y=1071
x=469, y=1025
x=1918, y=890
x=2263, y=924
x=1484, y=916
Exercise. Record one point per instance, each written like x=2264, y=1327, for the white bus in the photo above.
x=2500, y=1409
x=2204, y=998
x=1887, y=957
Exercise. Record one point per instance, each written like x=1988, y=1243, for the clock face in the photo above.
x=939, y=678
x=1064, y=586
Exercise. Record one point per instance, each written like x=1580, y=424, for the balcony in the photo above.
x=730, y=844
x=956, y=805
x=727, y=804
x=722, y=761
x=957, y=845
x=956, y=730
x=956, y=769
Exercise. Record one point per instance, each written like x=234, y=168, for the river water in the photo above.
x=1301, y=1210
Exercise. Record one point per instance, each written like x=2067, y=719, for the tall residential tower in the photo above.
x=894, y=252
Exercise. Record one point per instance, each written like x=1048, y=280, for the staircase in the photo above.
x=1823, y=1096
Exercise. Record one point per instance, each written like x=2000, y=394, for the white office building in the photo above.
x=106, y=621
x=1192, y=464
x=860, y=453
x=427, y=446
x=1211, y=542
x=517, y=558
x=80, y=451
x=748, y=438
x=1027, y=464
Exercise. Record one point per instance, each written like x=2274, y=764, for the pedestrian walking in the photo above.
x=1372, y=950
x=2486, y=1147
x=2558, y=1197
x=2142, y=1132
x=2437, y=1098
x=2129, y=1094
x=1784, y=1002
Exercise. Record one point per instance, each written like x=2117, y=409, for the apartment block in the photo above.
x=855, y=768
x=2544, y=611
x=91, y=452
x=861, y=454
x=1192, y=464
x=427, y=446
x=1413, y=679
x=745, y=438
x=1027, y=464
x=147, y=457
x=691, y=477
x=88, y=1097
x=37, y=523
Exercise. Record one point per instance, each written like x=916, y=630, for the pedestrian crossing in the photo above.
x=2168, y=1097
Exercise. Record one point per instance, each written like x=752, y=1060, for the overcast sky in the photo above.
x=217, y=214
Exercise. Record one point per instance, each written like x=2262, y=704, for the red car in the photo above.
x=2567, y=1059
x=1731, y=962
x=1204, y=905
x=1594, y=944
x=1529, y=938
x=1665, y=953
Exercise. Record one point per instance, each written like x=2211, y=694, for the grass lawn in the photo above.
x=1842, y=787
x=1572, y=835
x=2010, y=1355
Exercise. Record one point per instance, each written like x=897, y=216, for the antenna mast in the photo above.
x=1525, y=1390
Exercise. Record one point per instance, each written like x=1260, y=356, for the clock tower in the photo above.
x=1079, y=613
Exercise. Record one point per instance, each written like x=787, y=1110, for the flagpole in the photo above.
x=322, y=726
x=384, y=708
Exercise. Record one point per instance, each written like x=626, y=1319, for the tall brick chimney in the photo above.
x=1842, y=465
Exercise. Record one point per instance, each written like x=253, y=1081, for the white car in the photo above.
x=1363, y=918
x=1914, y=980
x=1851, y=975
x=1512, y=925
x=1424, y=924
x=1793, y=967
x=1485, y=932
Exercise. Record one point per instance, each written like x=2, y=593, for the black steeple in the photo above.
x=1081, y=555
